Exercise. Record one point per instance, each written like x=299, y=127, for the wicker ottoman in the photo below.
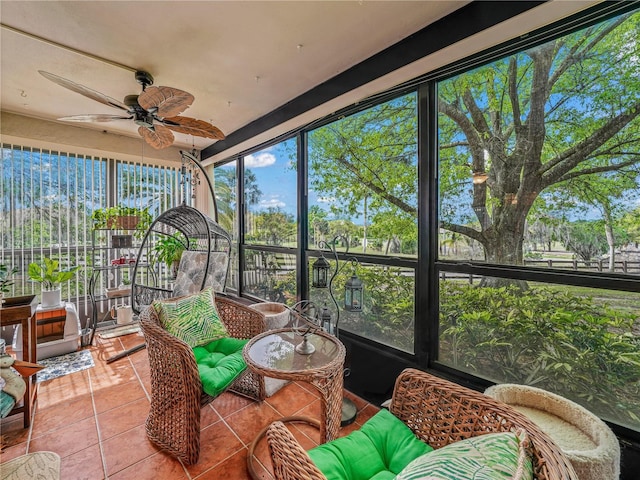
x=586, y=440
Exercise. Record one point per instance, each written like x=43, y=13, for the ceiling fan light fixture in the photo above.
x=144, y=119
x=156, y=110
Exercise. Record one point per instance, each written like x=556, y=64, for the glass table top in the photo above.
x=276, y=351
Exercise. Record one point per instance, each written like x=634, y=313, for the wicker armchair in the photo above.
x=439, y=412
x=176, y=390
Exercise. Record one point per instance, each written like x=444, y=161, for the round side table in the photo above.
x=273, y=354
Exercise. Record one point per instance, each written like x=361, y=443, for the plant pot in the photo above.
x=51, y=298
x=127, y=222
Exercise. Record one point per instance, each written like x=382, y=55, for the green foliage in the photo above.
x=169, y=249
x=5, y=277
x=49, y=273
x=631, y=224
x=370, y=158
x=559, y=119
x=554, y=340
x=388, y=308
x=273, y=226
x=585, y=238
x=107, y=217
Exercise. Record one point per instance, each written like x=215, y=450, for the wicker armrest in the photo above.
x=173, y=422
x=290, y=460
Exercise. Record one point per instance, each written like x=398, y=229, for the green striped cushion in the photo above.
x=193, y=319
x=495, y=456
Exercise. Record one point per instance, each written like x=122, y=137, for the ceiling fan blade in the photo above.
x=192, y=126
x=95, y=118
x=82, y=90
x=159, y=137
x=169, y=101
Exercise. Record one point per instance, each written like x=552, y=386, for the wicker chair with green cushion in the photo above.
x=189, y=372
x=426, y=412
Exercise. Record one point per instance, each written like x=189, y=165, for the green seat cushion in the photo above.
x=380, y=449
x=193, y=319
x=219, y=363
x=495, y=456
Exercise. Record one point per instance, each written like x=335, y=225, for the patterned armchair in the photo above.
x=176, y=388
x=439, y=413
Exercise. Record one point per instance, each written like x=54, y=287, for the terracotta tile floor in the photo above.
x=94, y=420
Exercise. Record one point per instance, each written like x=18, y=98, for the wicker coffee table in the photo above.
x=273, y=354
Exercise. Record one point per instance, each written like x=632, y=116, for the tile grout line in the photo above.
x=95, y=417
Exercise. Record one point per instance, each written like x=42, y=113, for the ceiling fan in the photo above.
x=156, y=110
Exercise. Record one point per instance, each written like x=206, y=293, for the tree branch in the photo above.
x=573, y=156
x=590, y=171
x=463, y=230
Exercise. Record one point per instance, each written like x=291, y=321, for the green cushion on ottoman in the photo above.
x=380, y=449
x=219, y=363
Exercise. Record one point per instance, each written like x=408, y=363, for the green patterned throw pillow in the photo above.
x=495, y=456
x=193, y=319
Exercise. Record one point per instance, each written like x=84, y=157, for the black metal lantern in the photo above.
x=320, y=273
x=353, y=290
x=325, y=319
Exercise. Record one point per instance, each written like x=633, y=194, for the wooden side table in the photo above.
x=273, y=354
x=21, y=311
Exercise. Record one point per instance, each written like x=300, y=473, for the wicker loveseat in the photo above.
x=439, y=413
x=176, y=389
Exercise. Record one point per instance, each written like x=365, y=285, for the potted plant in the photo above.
x=122, y=217
x=169, y=250
x=50, y=276
x=6, y=280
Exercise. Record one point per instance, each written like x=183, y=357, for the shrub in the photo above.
x=554, y=340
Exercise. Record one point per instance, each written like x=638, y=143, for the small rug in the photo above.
x=64, y=365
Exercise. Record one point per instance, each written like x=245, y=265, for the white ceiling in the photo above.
x=240, y=59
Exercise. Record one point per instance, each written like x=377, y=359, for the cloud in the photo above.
x=272, y=203
x=262, y=159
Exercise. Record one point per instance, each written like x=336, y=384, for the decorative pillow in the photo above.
x=191, y=272
x=193, y=319
x=495, y=456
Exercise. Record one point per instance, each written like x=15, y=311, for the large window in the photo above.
x=225, y=188
x=271, y=222
x=539, y=179
x=491, y=211
x=47, y=201
x=270, y=196
x=363, y=186
x=363, y=180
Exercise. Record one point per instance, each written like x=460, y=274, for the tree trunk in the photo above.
x=608, y=228
x=503, y=243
